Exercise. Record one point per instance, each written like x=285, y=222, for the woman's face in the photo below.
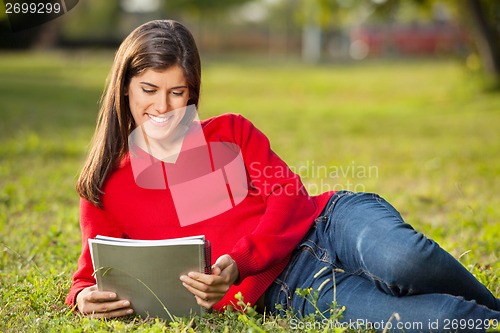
x=154, y=94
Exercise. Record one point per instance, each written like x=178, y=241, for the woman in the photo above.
x=219, y=177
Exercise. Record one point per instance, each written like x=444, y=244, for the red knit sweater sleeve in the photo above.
x=93, y=221
x=289, y=209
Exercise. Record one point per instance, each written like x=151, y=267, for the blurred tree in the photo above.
x=93, y=22
x=208, y=15
x=314, y=16
x=201, y=6
x=484, y=18
x=97, y=22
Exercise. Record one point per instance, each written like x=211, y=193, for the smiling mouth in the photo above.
x=159, y=120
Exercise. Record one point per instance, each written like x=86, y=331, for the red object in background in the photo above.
x=412, y=39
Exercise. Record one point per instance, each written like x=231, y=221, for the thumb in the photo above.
x=221, y=263
x=216, y=270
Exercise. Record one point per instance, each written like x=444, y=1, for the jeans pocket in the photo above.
x=310, y=247
x=280, y=299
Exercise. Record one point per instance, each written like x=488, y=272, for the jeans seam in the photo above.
x=324, y=258
x=382, y=201
x=331, y=205
x=370, y=276
x=360, y=271
x=284, y=288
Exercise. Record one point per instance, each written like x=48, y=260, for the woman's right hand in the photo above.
x=101, y=304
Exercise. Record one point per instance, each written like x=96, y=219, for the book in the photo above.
x=146, y=272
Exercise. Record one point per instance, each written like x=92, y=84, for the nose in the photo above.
x=162, y=105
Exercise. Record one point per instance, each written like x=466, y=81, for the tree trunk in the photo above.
x=486, y=38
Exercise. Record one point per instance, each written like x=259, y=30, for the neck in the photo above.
x=166, y=149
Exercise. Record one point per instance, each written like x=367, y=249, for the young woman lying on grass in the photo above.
x=219, y=177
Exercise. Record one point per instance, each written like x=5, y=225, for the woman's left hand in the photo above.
x=210, y=289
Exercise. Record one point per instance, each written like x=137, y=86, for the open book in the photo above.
x=146, y=272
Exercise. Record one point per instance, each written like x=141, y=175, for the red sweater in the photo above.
x=259, y=232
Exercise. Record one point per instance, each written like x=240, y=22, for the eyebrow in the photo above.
x=155, y=86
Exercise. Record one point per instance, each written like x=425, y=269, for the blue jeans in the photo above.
x=361, y=254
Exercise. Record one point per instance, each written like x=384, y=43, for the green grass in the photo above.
x=422, y=134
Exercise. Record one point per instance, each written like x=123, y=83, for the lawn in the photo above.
x=420, y=133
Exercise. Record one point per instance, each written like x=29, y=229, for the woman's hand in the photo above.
x=210, y=289
x=101, y=304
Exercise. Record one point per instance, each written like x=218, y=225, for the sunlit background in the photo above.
x=315, y=30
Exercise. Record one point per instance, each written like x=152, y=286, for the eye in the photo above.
x=178, y=93
x=148, y=91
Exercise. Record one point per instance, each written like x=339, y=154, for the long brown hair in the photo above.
x=157, y=45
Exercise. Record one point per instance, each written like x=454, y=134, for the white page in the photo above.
x=199, y=239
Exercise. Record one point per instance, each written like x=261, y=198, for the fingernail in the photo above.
x=112, y=295
x=126, y=303
x=183, y=277
x=129, y=311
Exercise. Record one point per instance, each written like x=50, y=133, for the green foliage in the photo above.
x=93, y=19
x=200, y=6
x=430, y=135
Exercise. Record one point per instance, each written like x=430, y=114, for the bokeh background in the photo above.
x=395, y=97
x=316, y=30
